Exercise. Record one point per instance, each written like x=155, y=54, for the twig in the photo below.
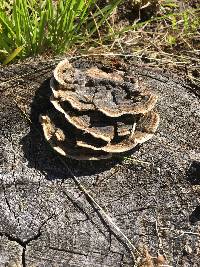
x=109, y=219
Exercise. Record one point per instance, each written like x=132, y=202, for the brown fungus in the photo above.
x=97, y=114
x=65, y=144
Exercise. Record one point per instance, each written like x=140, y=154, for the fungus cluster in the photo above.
x=96, y=113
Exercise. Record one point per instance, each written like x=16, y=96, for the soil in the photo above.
x=152, y=195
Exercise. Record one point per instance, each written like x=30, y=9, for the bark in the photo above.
x=47, y=219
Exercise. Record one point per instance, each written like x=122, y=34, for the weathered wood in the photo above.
x=45, y=218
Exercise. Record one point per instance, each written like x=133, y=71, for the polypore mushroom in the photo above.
x=97, y=114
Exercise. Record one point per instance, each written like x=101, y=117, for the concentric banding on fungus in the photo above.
x=106, y=133
x=95, y=122
x=64, y=73
x=114, y=97
x=65, y=146
x=141, y=133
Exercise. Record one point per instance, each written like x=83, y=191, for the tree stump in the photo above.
x=150, y=199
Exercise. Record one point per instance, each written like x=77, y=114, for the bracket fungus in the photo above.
x=97, y=114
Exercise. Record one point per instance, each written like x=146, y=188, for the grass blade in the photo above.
x=12, y=55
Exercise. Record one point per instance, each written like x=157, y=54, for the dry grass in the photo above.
x=166, y=34
x=171, y=36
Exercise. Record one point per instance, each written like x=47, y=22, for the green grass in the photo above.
x=30, y=27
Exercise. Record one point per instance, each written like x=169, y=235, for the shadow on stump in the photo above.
x=193, y=173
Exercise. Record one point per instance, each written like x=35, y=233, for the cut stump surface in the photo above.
x=152, y=195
